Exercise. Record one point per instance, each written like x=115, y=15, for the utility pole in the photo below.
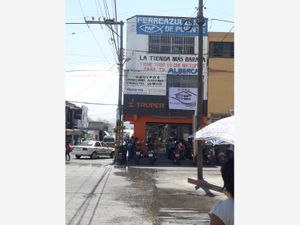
x=198, y=116
x=119, y=124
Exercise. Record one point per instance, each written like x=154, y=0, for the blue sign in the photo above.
x=169, y=25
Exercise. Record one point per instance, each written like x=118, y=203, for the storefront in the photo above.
x=73, y=135
x=160, y=128
x=163, y=131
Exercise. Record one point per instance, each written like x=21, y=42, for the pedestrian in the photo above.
x=222, y=212
x=168, y=147
x=69, y=149
x=131, y=145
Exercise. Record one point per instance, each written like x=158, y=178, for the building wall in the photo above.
x=220, y=79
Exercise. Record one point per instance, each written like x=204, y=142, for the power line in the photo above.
x=83, y=90
x=92, y=103
x=81, y=62
x=116, y=17
x=91, y=70
x=72, y=54
x=106, y=33
x=93, y=33
x=226, y=21
x=227, y=33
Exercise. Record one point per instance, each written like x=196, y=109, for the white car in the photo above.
x=93, y=149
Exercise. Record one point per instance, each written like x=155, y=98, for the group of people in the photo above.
x=132, y=145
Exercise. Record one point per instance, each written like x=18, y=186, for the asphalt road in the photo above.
x=99, y=192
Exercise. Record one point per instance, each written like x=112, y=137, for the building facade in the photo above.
x=76, y=121
x=220, y=75
x=161, y=76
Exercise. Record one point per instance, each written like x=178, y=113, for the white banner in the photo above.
x=166, y=63
x=145, y=84
x=182, y=98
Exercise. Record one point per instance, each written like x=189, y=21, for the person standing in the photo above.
x=222, y=212
x=130, y=150
x=69, y=149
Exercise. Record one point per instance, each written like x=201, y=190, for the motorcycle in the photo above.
x=151, y=154
x=178, y=153
x=138, y=153
x=122, y=154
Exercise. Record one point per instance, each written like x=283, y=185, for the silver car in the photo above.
x=93, y=149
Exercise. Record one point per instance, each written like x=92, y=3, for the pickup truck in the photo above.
x=93, y=149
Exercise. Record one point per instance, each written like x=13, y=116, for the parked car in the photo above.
x=93, y=149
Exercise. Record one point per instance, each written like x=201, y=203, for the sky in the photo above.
x=91, y=71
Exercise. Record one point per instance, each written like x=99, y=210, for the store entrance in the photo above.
x=162, y=131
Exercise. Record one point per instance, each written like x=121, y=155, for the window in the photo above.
x=221, y=49
x=182, y=81
x=87, y=143
x=171, y=44
x=109, y=139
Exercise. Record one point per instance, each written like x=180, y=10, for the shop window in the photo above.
x=221, y=49
x=171, y=44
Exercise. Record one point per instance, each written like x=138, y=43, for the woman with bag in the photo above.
x=69, y=149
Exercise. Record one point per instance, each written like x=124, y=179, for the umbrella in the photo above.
x=221, y=131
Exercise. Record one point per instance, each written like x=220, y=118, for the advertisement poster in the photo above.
x=145, y=84
x=182, y=98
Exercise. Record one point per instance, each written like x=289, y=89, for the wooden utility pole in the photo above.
x=198, y=116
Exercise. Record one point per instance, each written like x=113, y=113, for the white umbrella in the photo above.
x=218, y=132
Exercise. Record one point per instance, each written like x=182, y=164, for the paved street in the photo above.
x=98, y=192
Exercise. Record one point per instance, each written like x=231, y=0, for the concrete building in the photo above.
x=161, y=76
x=220, y=75
x=76, y=121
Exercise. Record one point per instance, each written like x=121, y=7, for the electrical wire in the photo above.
x=111, y=36
x=92, y=103
x=221, y=20
x=116, y=27
x=80, y=62
x=227, y=33
x=93, y=33
x=91, y=84
x=83, y=90
x=72, y=54
x=106, y=32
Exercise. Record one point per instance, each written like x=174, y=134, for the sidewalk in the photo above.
x=210, y=181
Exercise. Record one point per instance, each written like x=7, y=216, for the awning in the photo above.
x=73, y=132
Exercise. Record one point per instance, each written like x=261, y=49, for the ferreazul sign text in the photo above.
x=169, y=25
